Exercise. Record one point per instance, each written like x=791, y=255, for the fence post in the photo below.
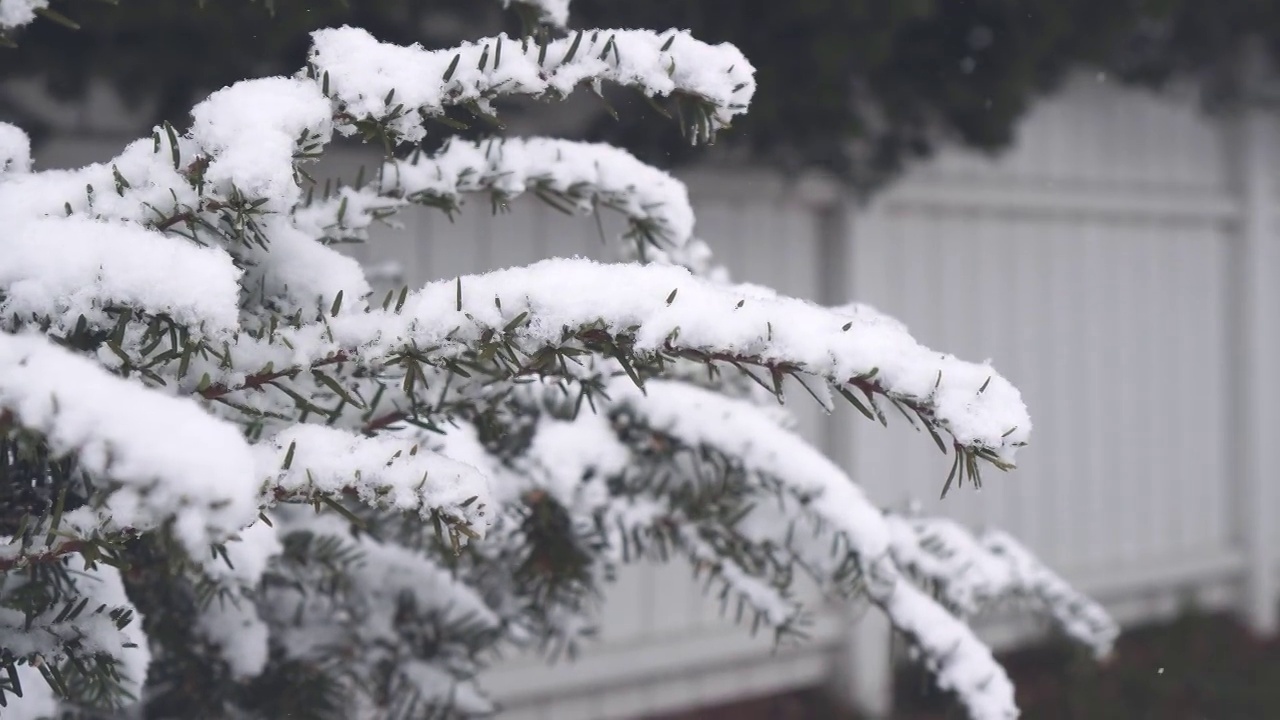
x=861, y=676
x=1257, y=386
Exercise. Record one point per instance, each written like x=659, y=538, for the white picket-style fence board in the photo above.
x=1107, y=326
x=1101, y=265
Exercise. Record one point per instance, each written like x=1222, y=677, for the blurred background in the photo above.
x=1083, y=191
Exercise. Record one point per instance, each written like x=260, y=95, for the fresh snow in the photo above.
x=381, y=471
x=155, y=190
x=591, y=173
x=67, y=267
x=14, y=13
x=370, y=79
x=971, y=401
x=94, y=630
x=15, y=148
x=172, y=459
x=249, y=132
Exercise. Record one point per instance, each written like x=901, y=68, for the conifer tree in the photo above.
x=236, y=484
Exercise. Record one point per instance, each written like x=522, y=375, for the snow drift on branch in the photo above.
x=381, y=471
x=405, y=85
x=171, y=459
x=669, y=310
x=63, y=268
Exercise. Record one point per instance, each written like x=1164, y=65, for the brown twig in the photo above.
x=258, y=380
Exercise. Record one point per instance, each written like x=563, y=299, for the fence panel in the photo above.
x=1098, y=283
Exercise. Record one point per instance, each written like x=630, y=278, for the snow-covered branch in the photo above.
x=585, y=175
x=971, y=573
x=65, y=269
x=169, y=461
x=651, y=310
x=386, y=472
x=961, y=662
x=1079, y=616
x=400, y=88
x=574, y=177
x=93, y=623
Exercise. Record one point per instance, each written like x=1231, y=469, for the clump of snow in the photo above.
x=552, y=12
x=15, y=149
x=251, y=131
x=369, y=79
x=15, y=13
x=299, y=268
x=171, y=459
x=67, y=267
x=94, y=631
x=556, y=462
x=233, y=626
x=381, y=471
x=588, y=173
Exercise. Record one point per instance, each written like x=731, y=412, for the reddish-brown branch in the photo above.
x=258, y=380
x=50, y=555
x=186, y=216
x=174, y=220
x=384, y=421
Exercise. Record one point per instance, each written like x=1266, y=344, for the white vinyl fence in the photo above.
x=1121, y=266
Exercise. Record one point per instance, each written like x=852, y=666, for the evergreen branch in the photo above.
x=982, y=411
x=81, y=639
x=54, y=553
x=584, y=176
x=736, y=429
x=970, y=573
x=132, y=437
x=386, y=91
x=316, y=462
x=260, y=380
